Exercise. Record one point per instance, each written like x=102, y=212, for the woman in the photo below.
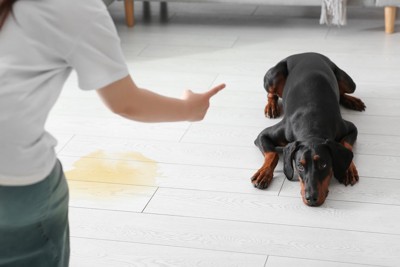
x=41, y=42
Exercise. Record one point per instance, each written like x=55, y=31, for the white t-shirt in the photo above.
x=40, y=43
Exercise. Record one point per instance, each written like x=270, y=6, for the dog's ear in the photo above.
x=288, y=153
x=341, y=158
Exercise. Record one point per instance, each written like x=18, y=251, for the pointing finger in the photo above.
x=213, y=91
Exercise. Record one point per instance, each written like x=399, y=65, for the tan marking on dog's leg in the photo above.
x=263, y=177
x=352, y=176
x=272, y=109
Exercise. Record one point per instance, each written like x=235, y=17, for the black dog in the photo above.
x=312, y=131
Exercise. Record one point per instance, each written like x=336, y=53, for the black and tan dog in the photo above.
x=313, y=133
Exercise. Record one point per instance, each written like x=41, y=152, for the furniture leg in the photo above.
x=163, y=11
x=390, y=17
x=129, y=13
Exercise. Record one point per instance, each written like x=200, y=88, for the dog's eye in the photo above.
x=322, y=166
x=300, y=167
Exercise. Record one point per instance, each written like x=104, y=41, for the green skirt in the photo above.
x=34, y=229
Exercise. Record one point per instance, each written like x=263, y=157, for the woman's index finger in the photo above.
x=213, y=91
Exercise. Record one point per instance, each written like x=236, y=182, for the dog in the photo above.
x=312, y=132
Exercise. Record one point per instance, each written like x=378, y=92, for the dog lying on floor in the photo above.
x=313, y=133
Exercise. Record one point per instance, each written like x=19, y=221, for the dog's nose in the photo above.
x=311, y=198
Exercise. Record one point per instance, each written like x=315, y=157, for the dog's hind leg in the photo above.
x=347, y=86
x=352, y=102
x=274, y=81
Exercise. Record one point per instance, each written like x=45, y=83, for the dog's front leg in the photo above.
x=263, y=177
x=267, y=141
x=351, y=176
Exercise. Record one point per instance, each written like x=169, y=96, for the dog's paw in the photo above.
x=358, y=104
x=352, y=103
x=272, y=110
x=262, y=178
x=351, y=176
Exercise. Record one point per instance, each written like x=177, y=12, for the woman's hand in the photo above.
x=197, y=104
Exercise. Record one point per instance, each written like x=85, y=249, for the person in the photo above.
x=41, y=42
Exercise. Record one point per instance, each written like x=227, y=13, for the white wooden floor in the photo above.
x=179, y=194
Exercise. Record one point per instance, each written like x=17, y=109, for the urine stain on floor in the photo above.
x=114, y=167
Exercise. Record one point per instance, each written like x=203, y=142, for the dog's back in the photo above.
x=311, y=90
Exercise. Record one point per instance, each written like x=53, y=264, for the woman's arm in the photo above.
x=124, y=98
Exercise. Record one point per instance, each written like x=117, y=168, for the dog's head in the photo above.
x=316, y=162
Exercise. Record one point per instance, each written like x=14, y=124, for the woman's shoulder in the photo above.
x=58, y=21
x=75, y=8
x=61, y=9
x=70, y=9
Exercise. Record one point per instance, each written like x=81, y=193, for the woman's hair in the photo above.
x=5, y=9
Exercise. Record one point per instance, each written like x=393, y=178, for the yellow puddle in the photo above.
x=126, y=168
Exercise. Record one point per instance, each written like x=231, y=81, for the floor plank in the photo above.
x=104, y=253
x=152, y=174
x=290, y=262
x=231, y=236
x=276, y=210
